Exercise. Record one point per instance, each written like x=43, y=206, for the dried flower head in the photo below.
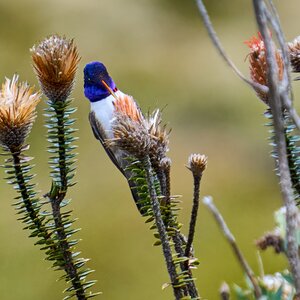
x=55, y=61
x=271, y=239
x=129, y=128
x=258, y=64
x=197, y=164
x=159, y=137
x=126, y=105
x=294, y=51
x=17, y=113
x=165, y=164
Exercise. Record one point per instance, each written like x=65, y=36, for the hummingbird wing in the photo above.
x=98, y=133
x=120, y=163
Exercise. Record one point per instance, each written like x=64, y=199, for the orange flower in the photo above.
x=126, y=105
x=258, y=64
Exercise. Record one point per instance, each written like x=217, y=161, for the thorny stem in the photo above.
x=62, y=149
x=165, y=182
x=293, y=171
x=56, y=200
x=26, y=199
x=231, y=239
x=284, y=172
x=161, y=228
x=194, y=215
x=69, y=267
x=64, y=246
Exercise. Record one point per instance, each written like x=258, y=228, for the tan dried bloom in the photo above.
x=55, y=61
x=258, y=64
x=165, y=164
x=17, y=112
x=129, y=128
x=294, y=51
x=197, y=164
x=271, y=239
x=159, y=136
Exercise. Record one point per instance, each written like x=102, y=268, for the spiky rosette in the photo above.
x=197, y=164
x=159, y=138
x=294, y=51
x=258, y=64
x=17, y=113
x=55, y=61
x=129, y=128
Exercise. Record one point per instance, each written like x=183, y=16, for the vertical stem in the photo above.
x=26, y=198
x=62, y=148
x=284, y=172
x=64, y=246
x=165, y=182
x=194, y=215
x=161, y=229
x=56, y=199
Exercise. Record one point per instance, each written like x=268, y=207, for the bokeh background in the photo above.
x=159, y=52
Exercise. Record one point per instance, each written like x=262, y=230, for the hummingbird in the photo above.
x=102, y=92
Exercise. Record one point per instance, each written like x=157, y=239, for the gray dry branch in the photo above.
x=280, y=94
x=283, y=165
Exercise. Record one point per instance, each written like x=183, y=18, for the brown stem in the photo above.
x=161, y=229
x=194, y=215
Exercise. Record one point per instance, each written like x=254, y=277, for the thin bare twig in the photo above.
x=216, y=42
x=208, y=201
x=284, y=172
x=194, y=214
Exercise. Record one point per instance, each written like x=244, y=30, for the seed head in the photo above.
x=55, y=61
x=17, y=113
x=165, y=164
x=159, y=137
x=129, y=128
x=294, y=50
x=271, y=239
x=197, y=164
x=258, y=64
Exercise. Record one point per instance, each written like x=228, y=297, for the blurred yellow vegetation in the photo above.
x=161, y=55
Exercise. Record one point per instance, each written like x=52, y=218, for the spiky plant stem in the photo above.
x=31, y=205
x=161, y=228
x=59, y=110
x=60, y=137
x=194, y=215
x=177, y=239
x=64, y=246
x=187, y=253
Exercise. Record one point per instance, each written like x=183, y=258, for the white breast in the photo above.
x=104, y=112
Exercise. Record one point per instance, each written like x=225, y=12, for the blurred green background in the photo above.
x=159, y=52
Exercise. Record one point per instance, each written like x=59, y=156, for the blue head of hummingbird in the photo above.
x=101, y=91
